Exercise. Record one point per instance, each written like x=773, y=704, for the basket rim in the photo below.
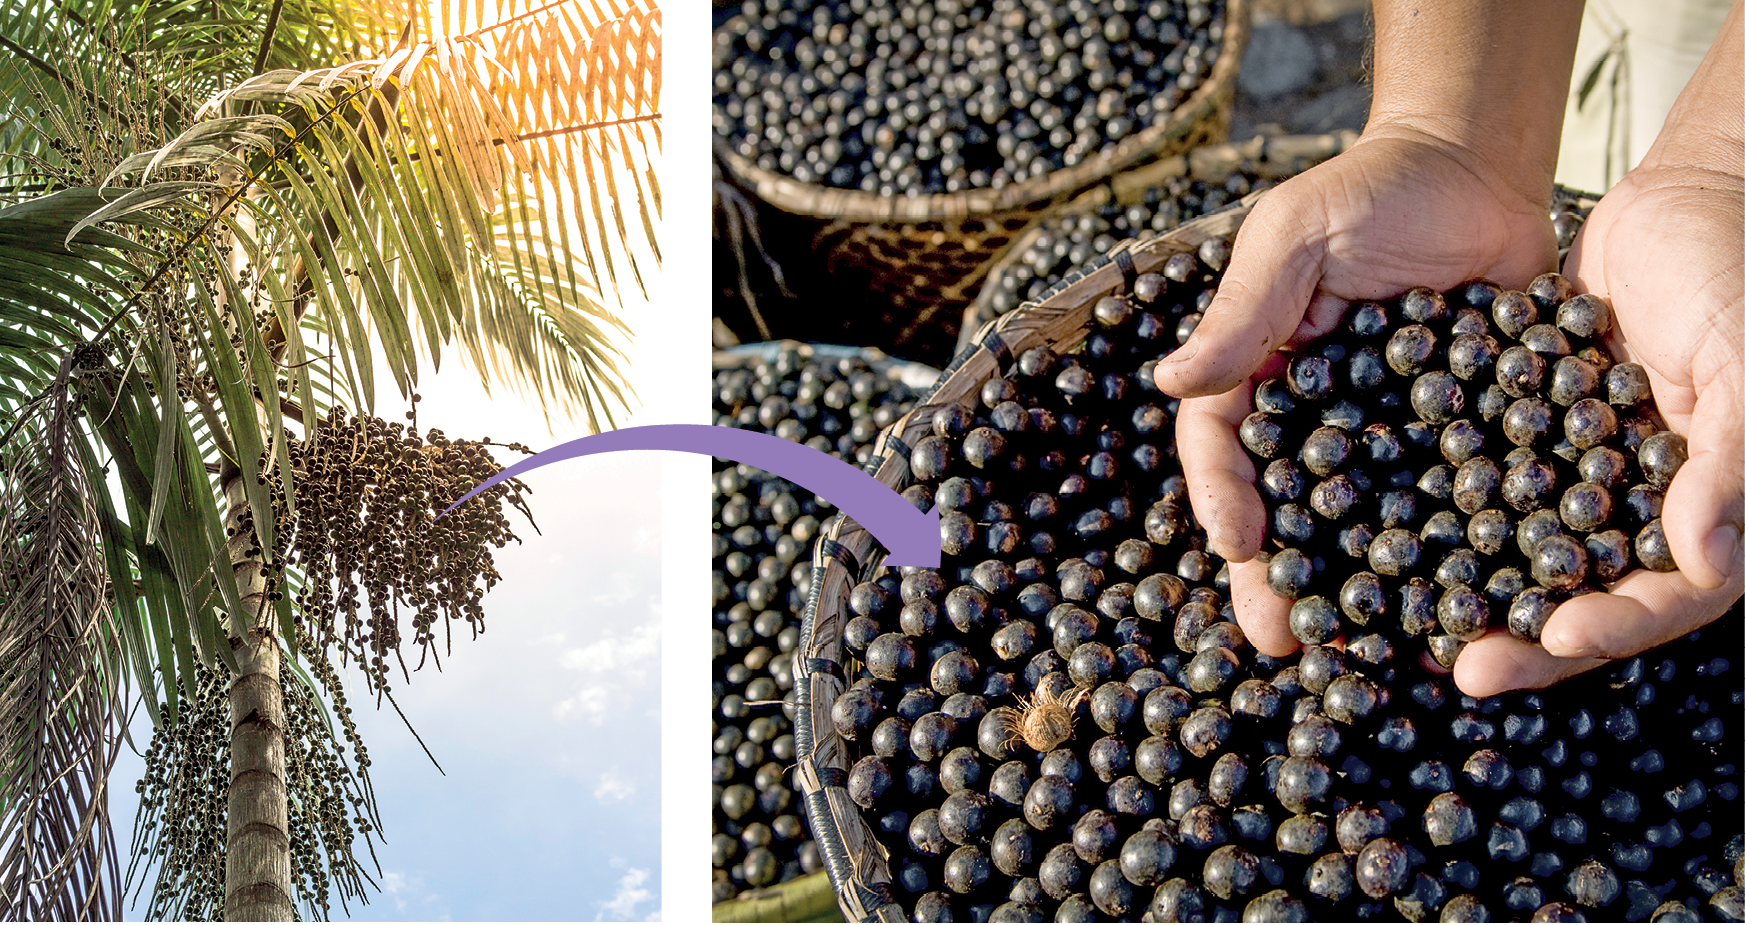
x=819, y=201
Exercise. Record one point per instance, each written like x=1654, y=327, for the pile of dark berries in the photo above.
x=764, y=530
x=1065, y=243
x=1187, y=777
x=1452, y=462
x=914, y=98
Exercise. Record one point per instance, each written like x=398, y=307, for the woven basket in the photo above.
x=846, y=554
x=928, y=252
x=1270, y=158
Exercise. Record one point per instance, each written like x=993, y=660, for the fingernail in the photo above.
x=1558, y=647
x=1183, y=353
x=1722, y=548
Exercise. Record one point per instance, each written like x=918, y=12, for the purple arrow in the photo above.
x=911, y=536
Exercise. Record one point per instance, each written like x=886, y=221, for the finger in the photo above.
x=1263, y=615
x=1274, y=268
x=1219, y=474
x=1499, y=662
x=1320, y=319
x=1705, y=504
x=1643, y=610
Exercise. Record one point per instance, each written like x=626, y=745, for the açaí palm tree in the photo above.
x=220, y=221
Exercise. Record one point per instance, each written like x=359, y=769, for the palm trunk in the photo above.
x=257, y=862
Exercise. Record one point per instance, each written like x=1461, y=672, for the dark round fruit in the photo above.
x=1437, y=397
x=1661, y=456
x=1560, y=562
x=1472, y=356
x=1585, y=316
x=1351, y=698
x=1262, y=435
x=1383, y=868
x=1449, y=820
x=1314, y=620
x=1608, y=555
x=1463, y=613
x=1652, y=549
x=1303, y=783
x=1589, y=423
x=1325, y=450
x=963, y=816
x=1147, y=856
x=1520, y=372
x=1048, y=802
x=1409, y=349
x=1309, y=378
x=1514, y=312
x=1545, y=340
x=1627, y=385
x=1230, y=871
x=1529, y=611
x=1530, y=485
x=1205, y=730
x=1394, y=552
x=1363, y=598
x=1110, y=891
x=1586, y=507
x=1572, y=379
x=1290, y=573
x=1476, y=484
x=1528, y=421
x=967, y=868
x=1061, y=871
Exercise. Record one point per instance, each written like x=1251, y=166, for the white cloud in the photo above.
x=634, y=653
x=613, y=788
x=621, y=907
x=613, y=668
x=407, y=890
x=592, y=703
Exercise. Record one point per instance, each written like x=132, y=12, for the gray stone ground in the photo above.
x=1306, y=69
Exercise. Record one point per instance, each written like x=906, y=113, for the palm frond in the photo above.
x=58, y=679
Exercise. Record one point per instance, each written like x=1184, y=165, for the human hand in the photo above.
x=1366, y=225
x=1664, y=248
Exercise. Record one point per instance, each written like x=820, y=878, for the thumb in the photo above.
x=1274, y=268
x=1704, y=515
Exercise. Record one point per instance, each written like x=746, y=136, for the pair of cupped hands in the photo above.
x=1403, y=208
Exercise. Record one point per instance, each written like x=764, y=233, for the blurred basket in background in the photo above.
x=920, y=257
x=763, y=530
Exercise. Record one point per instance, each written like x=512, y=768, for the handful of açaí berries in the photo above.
x=1450, y=462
